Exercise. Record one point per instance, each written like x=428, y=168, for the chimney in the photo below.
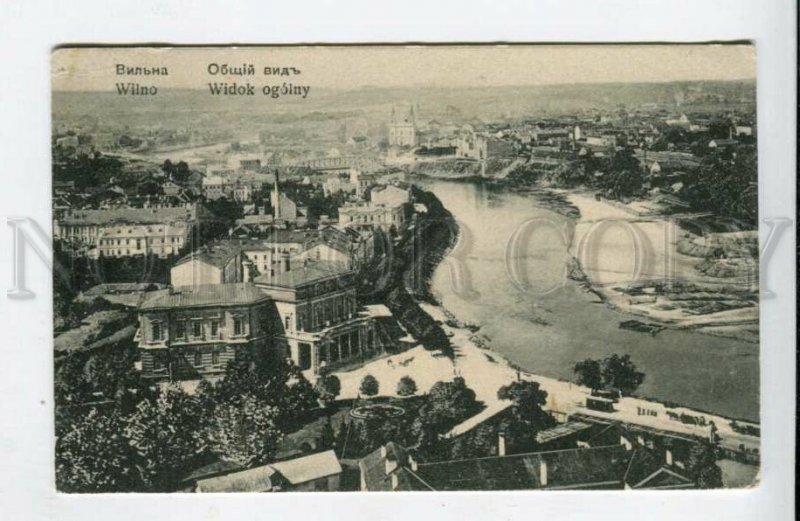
x=413, y=463
x=383, y=451
x=669, y=457
x=501, y=443
x=543, y=472
x=246, y=270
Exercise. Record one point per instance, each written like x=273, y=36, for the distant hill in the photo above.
x=182, y=107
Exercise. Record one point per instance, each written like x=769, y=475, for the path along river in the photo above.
x=552, y=322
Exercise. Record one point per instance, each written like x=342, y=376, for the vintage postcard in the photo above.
x=405, y=268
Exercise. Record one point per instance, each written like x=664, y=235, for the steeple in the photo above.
x=276, y=198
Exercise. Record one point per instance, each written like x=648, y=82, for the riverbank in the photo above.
x=670, y=284
x=486, y=371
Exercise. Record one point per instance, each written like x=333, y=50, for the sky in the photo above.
x=343, y=67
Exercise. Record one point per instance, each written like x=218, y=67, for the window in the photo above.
x=304, y=356
x=238, y=326
x=197, y=328
x=215, y=357
x=198, y=358
x=155, y=328
x=214, y=328
x=180, y=329
x=288, y=322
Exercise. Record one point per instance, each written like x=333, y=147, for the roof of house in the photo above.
x=375, y=477
x=306, y=239
x=308, y=468
x=258, y=479
x=311, y=272
x=645, y=470
x=217, y=254
x=122, y=287
x=128, y=215
x=266, y=477
x=560, y=431
x=566, y=469
x=239, y=293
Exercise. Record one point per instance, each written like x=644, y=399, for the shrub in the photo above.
x=406, y=386
x=369, y=386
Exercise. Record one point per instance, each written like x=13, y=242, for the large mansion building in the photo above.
x=308, y=313
x=187, y=333
x=127, y=232
x=319, y=321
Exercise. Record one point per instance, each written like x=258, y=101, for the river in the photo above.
x=547, y=323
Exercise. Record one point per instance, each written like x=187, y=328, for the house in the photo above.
x=319, y=324
x=315, y=472
x=187, y=333
x=392, y=468
x=390, y=195
x=251, y=164
x=254, y=224
x=372, y=215
x=681, y=121
x=360, y=181
x=719, y=144
x=220, y=262
x=601, y=140
x=338, y=183
x=124, y=232
x=215, y=187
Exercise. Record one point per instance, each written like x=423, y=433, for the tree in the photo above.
x=245, y=433
x=406, y=386
x=620, y=373
x=446, y=405
x=479, y=443
x=276, y=381
x=369, y=386
x=589, y=374
x=614, y=371
x=328, y=388
x=527, y=414
x=165, y=434
x=327, y=437
x=93, y=456
x=703, y=466
x=528, y=402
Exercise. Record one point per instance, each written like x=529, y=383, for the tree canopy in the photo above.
x=614, y=371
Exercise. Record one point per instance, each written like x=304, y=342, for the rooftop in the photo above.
x=301, y=275
x=562, y=430
x=218, y=253
x=307, y=468
x=572, y=468
x=240, y=293
x=596, y=467
x=129, y=216
x=264, y=478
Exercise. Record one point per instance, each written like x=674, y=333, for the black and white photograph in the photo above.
x=405, y=268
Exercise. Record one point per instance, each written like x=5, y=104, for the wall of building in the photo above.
x=195, y=273
x=186, y=337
